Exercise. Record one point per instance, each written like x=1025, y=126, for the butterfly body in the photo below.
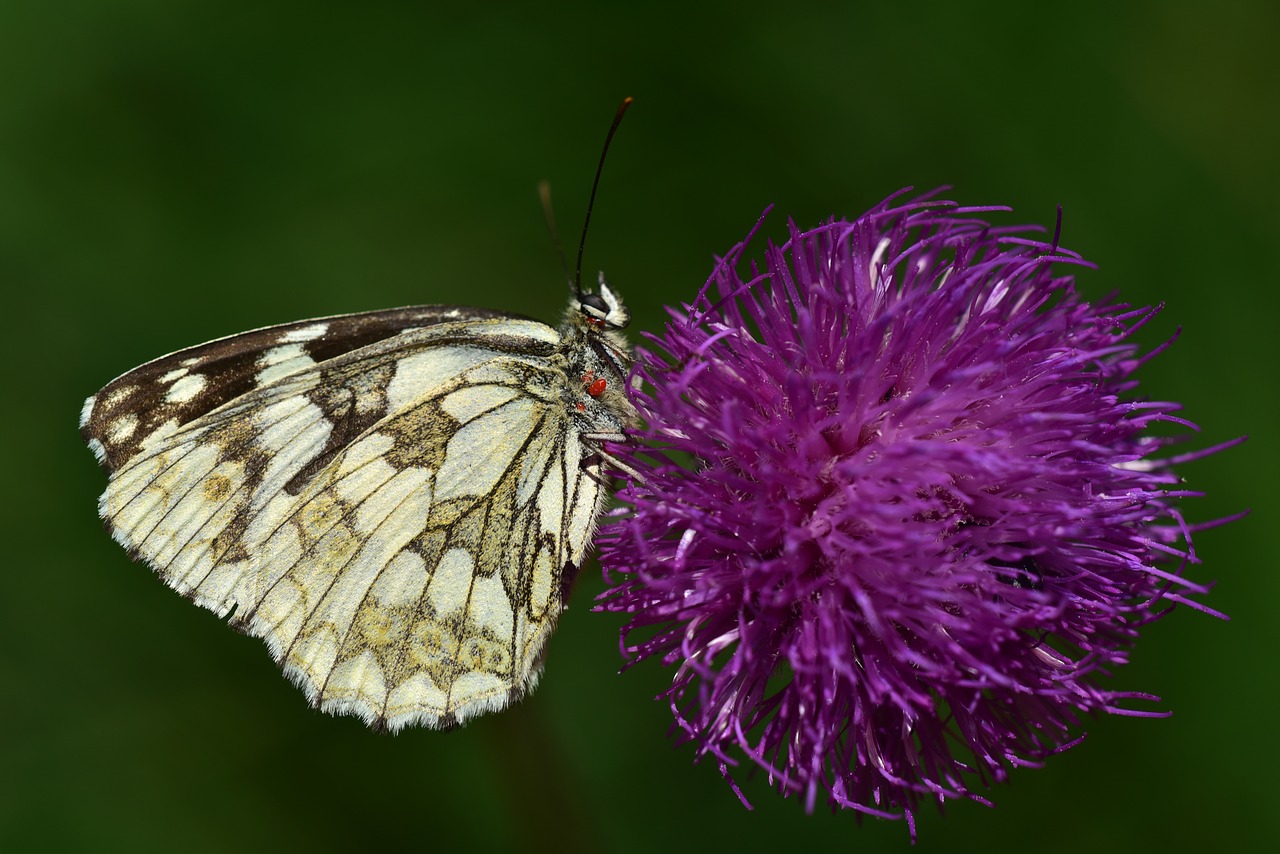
x=396, y=501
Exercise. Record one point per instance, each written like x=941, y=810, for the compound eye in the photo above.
x=593, y=305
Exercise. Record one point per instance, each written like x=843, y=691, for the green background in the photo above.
x=172, y=171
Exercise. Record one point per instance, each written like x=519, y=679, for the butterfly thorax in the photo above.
x=598, y=357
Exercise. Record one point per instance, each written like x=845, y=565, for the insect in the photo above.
x=396, y=501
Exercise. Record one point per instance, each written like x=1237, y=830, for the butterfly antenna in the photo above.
x=544, y=193
x=582, y=241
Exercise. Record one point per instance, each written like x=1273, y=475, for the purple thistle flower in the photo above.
x=893, y=511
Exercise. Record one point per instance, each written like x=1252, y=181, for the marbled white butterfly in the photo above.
x=396, y=502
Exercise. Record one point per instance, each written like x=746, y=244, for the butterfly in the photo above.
x=396, y=501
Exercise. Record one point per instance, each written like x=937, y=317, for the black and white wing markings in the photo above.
x=397, y=522
x=182, y=386
x=450, y=618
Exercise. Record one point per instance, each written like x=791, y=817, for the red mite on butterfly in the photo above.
x=595, y=387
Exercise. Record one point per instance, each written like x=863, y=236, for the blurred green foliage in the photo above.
x=176, y=170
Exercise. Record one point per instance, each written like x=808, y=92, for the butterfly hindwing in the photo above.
x=395, y=519
x=426, y=562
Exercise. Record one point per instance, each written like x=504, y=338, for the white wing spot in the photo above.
x=451, y=581
x=185, y=389
x=403, y=581
x=481, y=450
x=118, y=396
x=157, y=437
x=491, y=607
x=284, y=423
x=423, y=372
x=466, y=403
x=540, y=584
x=122, y=428
x=176, y=374
x=281, y=361
x=551, y=495
x=306, y=333
x=283, y=353
x=531, y=469
x=364, y=452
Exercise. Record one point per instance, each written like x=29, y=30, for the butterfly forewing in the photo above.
x=395, y=512
x=184, y=385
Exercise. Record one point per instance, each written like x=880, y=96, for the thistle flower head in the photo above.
x=894, y=509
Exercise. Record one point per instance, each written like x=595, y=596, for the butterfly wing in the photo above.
x=185, y=385
x=396, y=522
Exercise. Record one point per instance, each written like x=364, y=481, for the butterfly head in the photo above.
x=603, y=309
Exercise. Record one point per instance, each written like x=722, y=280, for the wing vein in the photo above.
x=303, y=552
